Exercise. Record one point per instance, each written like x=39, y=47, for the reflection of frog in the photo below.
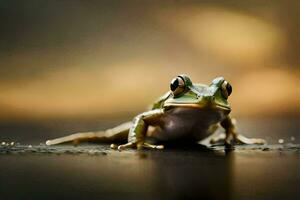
x=187, y=112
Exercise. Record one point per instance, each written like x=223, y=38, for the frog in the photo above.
x=187, y=112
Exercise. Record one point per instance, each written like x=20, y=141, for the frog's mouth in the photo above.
x=200, y=106
x=223, y=107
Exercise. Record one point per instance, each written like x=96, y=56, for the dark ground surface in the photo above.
x=91, y=171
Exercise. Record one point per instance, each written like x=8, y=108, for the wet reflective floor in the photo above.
x=94, y=171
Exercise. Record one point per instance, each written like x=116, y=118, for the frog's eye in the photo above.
x=226, y=89
x=177, y=85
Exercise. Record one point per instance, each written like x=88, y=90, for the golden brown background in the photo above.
x=69, y=66
x=90, y=59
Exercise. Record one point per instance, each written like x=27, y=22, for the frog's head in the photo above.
x=187, y=94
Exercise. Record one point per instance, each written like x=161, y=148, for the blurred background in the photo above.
x=70, y=66
x=84, y=65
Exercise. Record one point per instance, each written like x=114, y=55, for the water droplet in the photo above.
x=281, y=141
x=29, y=146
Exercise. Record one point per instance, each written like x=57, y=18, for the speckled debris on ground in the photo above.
x=15, y=148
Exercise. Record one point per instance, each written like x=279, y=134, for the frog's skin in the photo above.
x=188, y=111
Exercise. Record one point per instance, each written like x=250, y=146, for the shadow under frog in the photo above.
x=188, y=112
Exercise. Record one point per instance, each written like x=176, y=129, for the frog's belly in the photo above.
x=186, y=123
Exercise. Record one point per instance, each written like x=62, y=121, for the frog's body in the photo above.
x=187, y=112
x=180, y=123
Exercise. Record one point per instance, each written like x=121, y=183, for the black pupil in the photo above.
x=174, y=84
x=228, y=88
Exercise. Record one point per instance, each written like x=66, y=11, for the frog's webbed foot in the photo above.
x=240, y=139
x=236, y=139
x=232, y=136
x=138, y=145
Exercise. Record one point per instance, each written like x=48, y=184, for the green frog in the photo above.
x=187, y=112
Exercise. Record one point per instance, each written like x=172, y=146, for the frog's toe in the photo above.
x=151, y=146
x=126, y=146
x=139, y=146
x=244, y=140
x=159, y=146
x=258, y=141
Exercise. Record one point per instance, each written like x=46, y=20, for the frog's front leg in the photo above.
x=229, y=124
x=137, y=133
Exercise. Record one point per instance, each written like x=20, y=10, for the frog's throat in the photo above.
x=200, y=106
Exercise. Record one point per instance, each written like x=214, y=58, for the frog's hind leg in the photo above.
x=116, y=134
x=229, y=125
